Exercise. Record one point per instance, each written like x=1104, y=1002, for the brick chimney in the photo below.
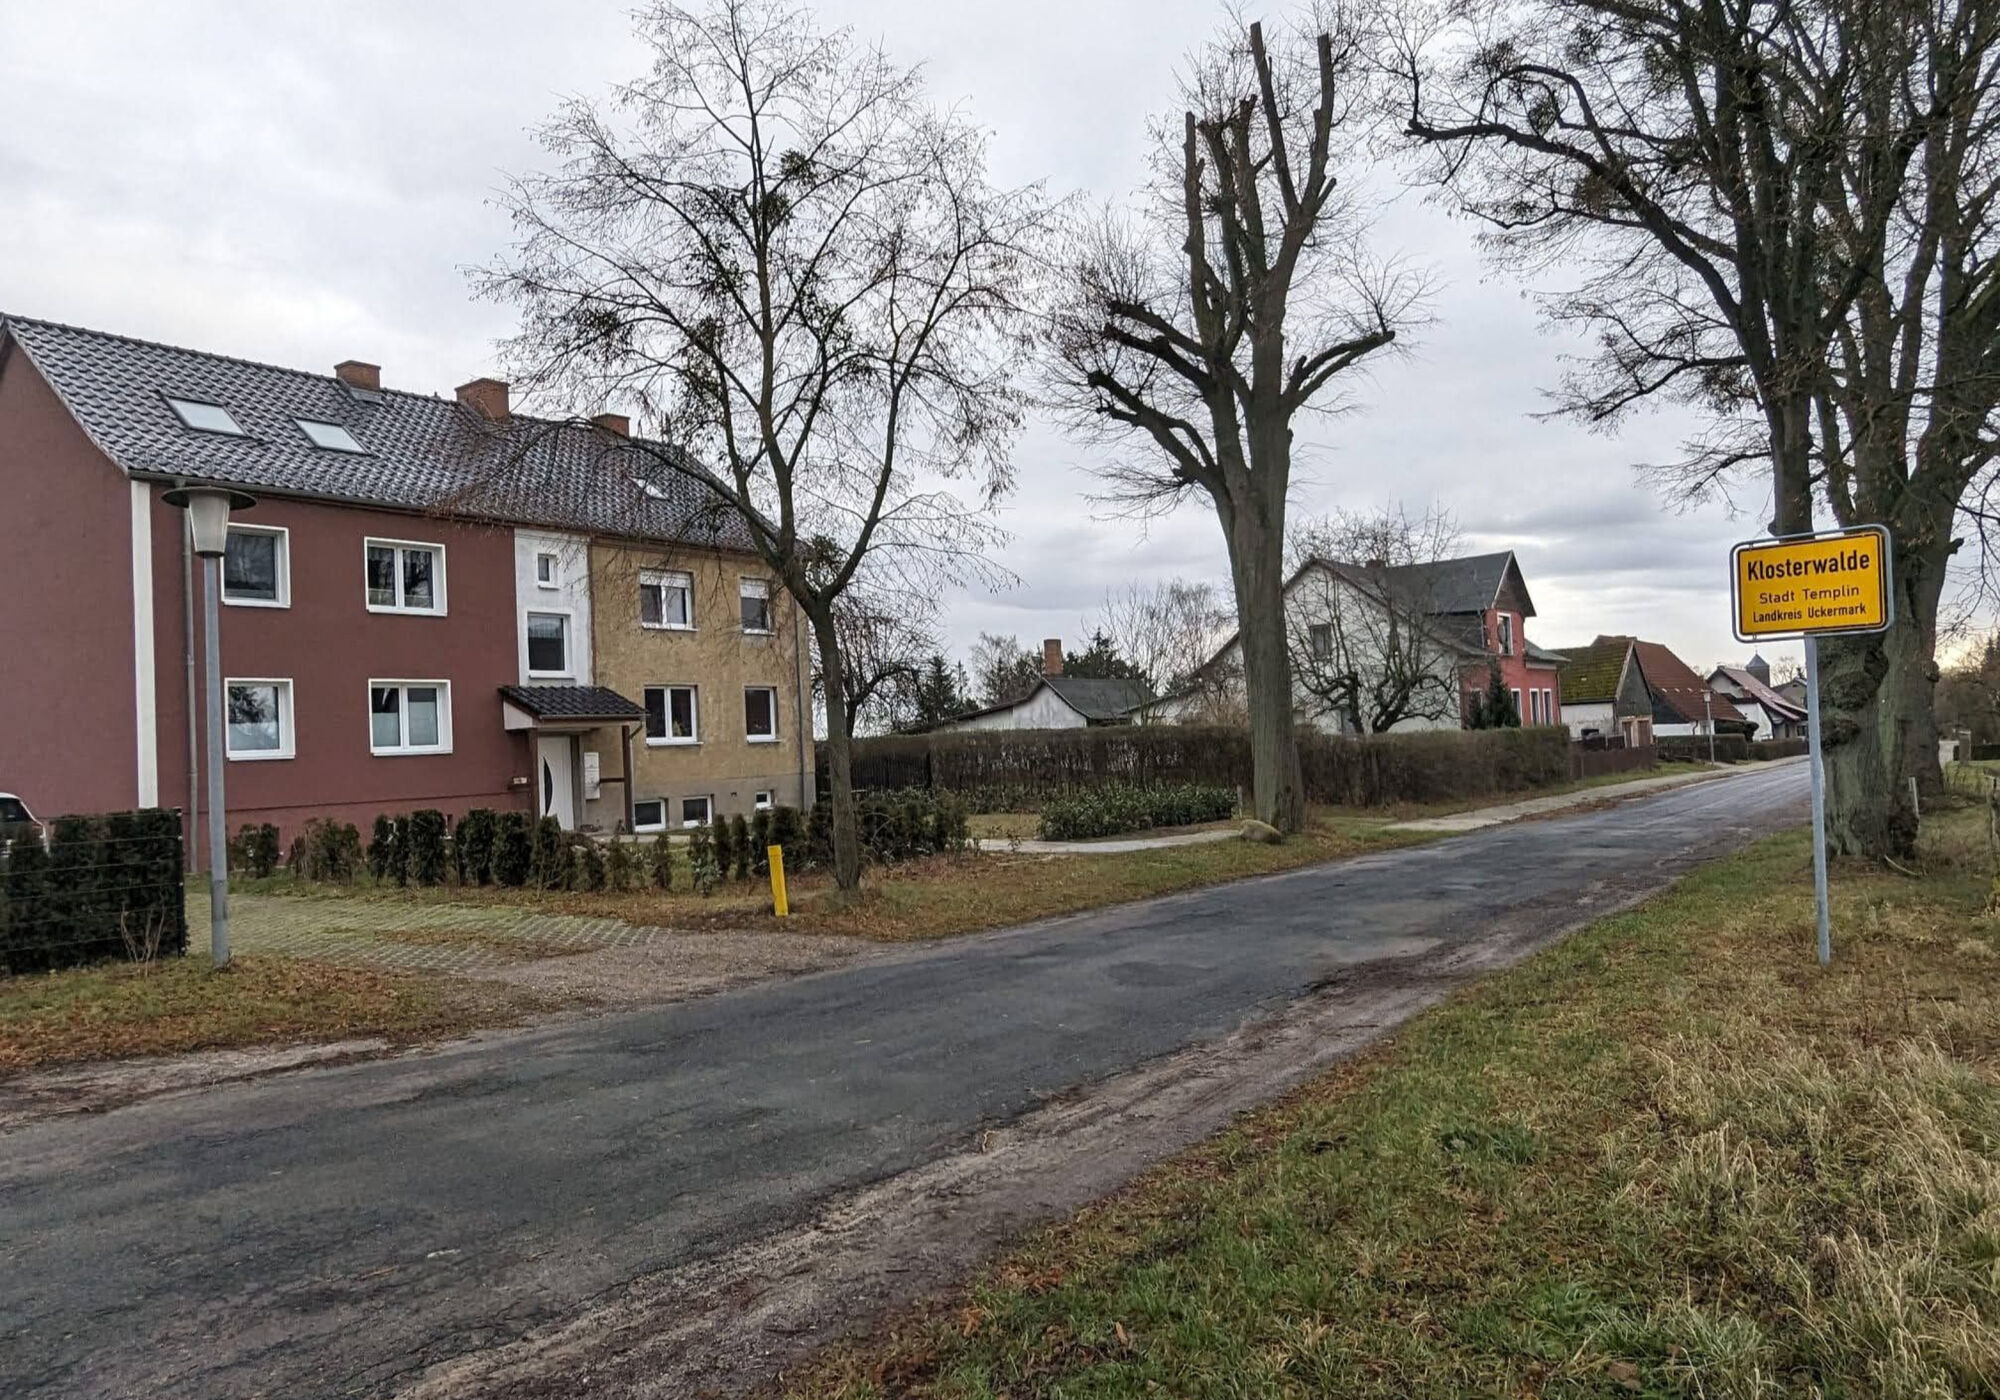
x=617, y=424
x=1052, y=657
x=359, y=374
x=486, y=397
x=1378, y=564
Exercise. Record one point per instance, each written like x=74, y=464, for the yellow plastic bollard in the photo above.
x=780, y=905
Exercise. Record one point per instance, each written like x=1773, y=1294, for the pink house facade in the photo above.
x=371, y=614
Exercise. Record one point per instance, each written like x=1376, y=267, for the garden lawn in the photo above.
x=932, y=897
x=1670, y=1157
x=182, y=1004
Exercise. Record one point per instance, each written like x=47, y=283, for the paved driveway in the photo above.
x=331, y=1233
x=415, y=934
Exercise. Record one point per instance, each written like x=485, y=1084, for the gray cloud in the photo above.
x=304, y=184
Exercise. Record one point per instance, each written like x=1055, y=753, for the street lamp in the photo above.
x=1708, y=709
x=208, y=510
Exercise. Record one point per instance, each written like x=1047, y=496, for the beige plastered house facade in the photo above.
x=728, y=725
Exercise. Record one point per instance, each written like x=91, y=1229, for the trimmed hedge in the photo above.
x=105, y=887
x=1020, y=770
x=1110, y=808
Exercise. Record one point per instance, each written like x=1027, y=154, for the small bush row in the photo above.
x=1111, y=808
x=102, y=888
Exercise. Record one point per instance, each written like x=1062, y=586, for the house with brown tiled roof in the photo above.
x=1641, y=690
x=1604, y=694
x=1749, y=689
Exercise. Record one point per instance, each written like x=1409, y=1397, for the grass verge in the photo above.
x=1671, y=1157
x=171, y=1007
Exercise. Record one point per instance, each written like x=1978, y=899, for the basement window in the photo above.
x=205, y=417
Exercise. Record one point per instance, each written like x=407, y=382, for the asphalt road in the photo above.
x=333, y=1232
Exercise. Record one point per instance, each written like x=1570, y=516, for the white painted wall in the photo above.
x=1042, y=710
x=571, y=595
x=1600, y=717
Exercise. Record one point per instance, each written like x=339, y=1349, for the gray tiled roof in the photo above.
x=422, y=452
x=572, y=702
x=1099, y=699
x=1462, y=585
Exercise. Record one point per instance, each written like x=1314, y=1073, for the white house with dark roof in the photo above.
x=1060, y=702
x=1470, y=613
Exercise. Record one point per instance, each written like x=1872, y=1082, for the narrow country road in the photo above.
x=334, y=1232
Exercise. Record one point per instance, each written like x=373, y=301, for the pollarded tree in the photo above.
x=794, y=265
x=1197, y=329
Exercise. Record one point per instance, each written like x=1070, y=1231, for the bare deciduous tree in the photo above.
x=887, y=638
x=793, y=264
x=1366, y=646
x=1003, y=669
x=1199, y=328
x=1717, y=182
x=1166, y=630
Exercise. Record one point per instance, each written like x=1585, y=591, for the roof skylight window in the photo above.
x=331, y=436
x=205, y=417
x=652, y=489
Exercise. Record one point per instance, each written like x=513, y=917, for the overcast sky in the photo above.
x=307, y=184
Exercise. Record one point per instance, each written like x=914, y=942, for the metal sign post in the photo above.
x=1812, y=586
x=1818, y=802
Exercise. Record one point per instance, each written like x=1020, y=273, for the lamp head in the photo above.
x=208, y=509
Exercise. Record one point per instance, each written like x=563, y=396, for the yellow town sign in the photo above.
x=1813, y=585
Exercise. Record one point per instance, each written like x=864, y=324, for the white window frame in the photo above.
x=746, y=588
x=708, y=806
x=1506, y=629
x=669, y=740
x=664, y=579
x=402, y=688
x=660, y=825
x=439, y=597
x=568, y=617
x=762, y=801
x=1319, y=641
x=288, y=745
x=284, y=537
x=176, y=402
x=554, y=560
x=306, y=426
x=772, y=737
x=1519, y=713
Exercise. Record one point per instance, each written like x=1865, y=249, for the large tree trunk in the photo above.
x=1878, y=715
x=839, y=756
x=1257, y=568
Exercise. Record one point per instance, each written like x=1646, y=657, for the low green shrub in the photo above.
x=472, y=845
x=587, y=871
x=1111, y=808
x=327, y=850
x=426, y=858
x=739, y=845
x=513, y=850
x=383, y=859
x=254, y=852
x=548, y=863
x=662, y=862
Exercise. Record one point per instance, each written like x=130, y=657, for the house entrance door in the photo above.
x=555, y=779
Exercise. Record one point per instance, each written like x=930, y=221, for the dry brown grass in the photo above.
x=1672, y=1157
x=105, y=1013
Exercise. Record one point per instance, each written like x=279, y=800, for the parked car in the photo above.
x=17, y=821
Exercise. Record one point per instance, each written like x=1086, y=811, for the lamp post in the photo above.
x=1708, y=709
x=208, y=510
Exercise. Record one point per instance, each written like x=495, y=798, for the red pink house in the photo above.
x=376, y=636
